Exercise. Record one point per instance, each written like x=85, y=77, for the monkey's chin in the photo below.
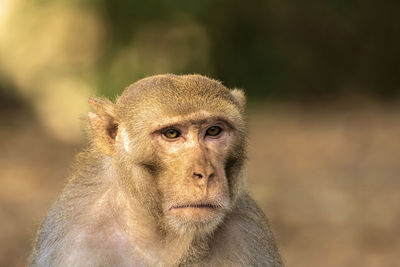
x=194, y=219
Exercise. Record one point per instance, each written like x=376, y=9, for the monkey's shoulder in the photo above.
x=74, y=230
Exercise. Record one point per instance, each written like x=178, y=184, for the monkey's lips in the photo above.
x=196, y=206
x=195, y=211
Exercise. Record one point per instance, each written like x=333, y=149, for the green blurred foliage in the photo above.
x=277, y=48
x=271, y=48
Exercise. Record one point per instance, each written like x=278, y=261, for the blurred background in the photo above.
x=323, y=83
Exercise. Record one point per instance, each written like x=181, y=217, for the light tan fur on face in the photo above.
x=194, y=152
x=139, y=198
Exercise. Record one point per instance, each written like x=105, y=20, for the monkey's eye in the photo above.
x=213, y=131
x=171, y=133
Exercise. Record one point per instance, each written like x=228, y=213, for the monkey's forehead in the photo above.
x=199, y=117
x=154, y=113
x=170, y=97
x=182, y=93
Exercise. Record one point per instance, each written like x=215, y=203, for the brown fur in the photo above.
x=127, y=201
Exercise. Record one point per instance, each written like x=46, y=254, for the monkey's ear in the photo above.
x=239, y=96
x=104, y=125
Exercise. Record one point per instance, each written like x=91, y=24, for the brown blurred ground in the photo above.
x=328, y=178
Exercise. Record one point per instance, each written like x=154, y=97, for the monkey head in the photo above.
x=177, y=144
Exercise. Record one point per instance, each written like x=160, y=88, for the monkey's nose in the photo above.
x=203, y=172
x=200, y=176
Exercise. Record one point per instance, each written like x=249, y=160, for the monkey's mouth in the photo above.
x=195, y=212
x=197, y=206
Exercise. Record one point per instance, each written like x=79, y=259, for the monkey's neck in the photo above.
x=177, y=249
x=152, y=245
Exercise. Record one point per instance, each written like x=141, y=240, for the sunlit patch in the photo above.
x=125, y=139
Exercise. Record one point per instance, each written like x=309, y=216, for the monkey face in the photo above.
x=179, y=147
x=192, y=150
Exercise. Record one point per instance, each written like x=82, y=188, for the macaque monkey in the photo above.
x=161, y=184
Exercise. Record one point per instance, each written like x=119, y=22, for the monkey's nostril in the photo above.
x=198, y=175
